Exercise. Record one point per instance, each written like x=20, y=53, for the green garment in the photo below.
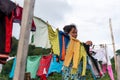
x=32, y=65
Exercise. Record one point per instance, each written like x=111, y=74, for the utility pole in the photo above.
x=113, y=43
x=22, y=51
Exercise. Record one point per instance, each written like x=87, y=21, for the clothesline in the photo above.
x=99, y=44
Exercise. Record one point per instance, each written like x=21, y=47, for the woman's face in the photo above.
x=73, y=32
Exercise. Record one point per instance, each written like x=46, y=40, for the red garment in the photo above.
x=9, y=25
x=6, y=22
x=44, y=65
x=18, y=17
x=7, y=37
x=43, y=77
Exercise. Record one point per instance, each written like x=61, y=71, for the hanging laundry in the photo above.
x=40, y=36
x=95, y=62
x=55, y=66
x=100, y=55
x=32, y=65
x=6, y=7
x=6, y=22
x=105, y=58
x=18, y=17
x=0, y=68
x=63, y=42
x=83, y=58
x=44, y=66
x=81, y=70
x=11, y=75
x=10, y=58
x=54, y=40
x=91, y=68
x=73, y=52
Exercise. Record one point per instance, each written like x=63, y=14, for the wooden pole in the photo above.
x=24, y=39
x=113, y=43
x=118, y=67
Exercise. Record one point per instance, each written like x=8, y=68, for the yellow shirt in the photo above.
x=53, y=37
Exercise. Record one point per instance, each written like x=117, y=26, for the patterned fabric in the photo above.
x=66, y=75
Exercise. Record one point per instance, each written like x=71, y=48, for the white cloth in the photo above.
x=101, y=55
x=10, y=58
x=0, y=68
x=41, y=34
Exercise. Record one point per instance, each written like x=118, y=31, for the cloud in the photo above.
x=52, y=11
x=90, y=16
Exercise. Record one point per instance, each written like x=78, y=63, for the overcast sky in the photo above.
x=90, y=16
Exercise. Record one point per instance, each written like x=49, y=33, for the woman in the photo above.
x=71, y=30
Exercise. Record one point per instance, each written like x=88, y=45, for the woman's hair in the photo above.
x=89, y=43
x=68, y=28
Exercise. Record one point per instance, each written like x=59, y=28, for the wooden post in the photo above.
x=118, y=67
x=24, y=39
x=113, y=43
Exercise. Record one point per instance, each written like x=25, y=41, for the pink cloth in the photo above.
x=110, y=72
x=108, y=68
x=104, y=68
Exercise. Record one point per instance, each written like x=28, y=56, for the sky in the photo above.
x=90, y=16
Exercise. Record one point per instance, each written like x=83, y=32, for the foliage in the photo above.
x=118, y=52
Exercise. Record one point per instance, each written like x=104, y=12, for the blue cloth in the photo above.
x=66, y=38
x=55, y=66
x=11, y=75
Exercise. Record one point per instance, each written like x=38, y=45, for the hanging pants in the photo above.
x=72, y=53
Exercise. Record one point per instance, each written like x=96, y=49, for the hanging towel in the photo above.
x=32, y=65
x=40, y=36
